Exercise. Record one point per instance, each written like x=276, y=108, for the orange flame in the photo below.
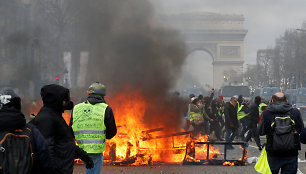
x=142, y=142
x=132, y=138
x=227, y=163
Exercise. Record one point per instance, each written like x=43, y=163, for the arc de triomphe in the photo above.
x=221, y=36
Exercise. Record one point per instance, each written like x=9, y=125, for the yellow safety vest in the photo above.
x=193, y=115
x=88, y=126
x=220, y=112
x=260, y=108
x=241, y=114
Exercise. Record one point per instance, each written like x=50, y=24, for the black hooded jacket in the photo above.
x=268, y=116
x=58, y=134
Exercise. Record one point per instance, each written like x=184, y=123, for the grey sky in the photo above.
x=265, y=20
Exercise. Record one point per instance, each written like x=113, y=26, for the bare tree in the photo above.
x=264, y=61
x=284, y=64
x=54, y=22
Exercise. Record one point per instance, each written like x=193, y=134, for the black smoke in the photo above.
x=130, y=52
x=128, y=49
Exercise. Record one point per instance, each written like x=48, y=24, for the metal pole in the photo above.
x=207, y=157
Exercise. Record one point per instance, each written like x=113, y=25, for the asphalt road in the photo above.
x=193, y=169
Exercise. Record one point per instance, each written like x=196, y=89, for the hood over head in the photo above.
x=11, y=119
x=279, y=107
x=53, y=96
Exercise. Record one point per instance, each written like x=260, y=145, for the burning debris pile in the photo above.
x=143, y=140
x=211, y=156
x=141, y=143
x=153, y=146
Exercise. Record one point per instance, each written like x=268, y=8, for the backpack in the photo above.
x=16, y=156
x=283, y=136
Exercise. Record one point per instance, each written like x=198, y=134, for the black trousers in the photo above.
x=253, y=133
x=215, y=126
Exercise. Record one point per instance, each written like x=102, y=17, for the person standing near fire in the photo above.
x=253, y=121
x=59, y=136
x=187, y=117
x=207, y=111
x=196, y=116
x=92, y=122
x=218, y=123
x=231, y=121
x=243, y=116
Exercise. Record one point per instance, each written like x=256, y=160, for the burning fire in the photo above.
x=135, y=140
x=139, y=143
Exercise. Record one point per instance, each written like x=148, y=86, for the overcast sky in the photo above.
x=265, y=20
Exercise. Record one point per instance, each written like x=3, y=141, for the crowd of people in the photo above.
x=236, y=119
x=205, y=115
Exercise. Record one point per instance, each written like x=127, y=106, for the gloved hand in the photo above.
x=89, y=163
x=80, y=153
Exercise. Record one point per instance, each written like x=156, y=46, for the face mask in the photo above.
x=69, y=106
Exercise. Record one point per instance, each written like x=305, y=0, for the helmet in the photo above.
x=97, y=88
x=8, y=97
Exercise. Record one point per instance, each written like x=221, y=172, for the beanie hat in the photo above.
x=9, y=98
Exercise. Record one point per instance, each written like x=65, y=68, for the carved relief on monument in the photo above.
x=230, y=51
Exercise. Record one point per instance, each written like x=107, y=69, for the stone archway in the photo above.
x=222, y=36
x=201, y=62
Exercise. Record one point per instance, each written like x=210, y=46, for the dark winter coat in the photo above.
x=12, y=119
x=230, y=113
x=303, y=136
x=58, y=134
x=109, y=119
x=253, y=116
x=268, y=116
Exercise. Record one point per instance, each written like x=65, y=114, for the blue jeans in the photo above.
x=98, y=161
x=288, y=165
x=244, y=122
x=230, y=135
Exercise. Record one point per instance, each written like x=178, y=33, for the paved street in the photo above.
x=193, y=169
